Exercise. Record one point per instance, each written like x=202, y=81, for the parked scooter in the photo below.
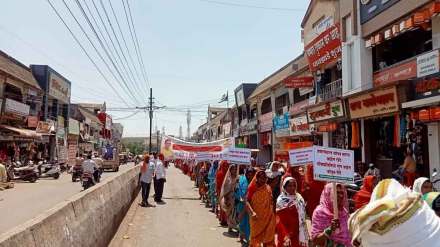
x=47, y=170
x=16, y=171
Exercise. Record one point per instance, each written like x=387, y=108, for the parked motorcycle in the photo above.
x=87, y=180
x=76, y=172
x=16, y=171
x=47, y=170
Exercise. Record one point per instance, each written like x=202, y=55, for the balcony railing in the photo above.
x=330, y=91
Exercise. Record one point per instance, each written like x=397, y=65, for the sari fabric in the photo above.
x=240, y=197
x=211, y=178
x=219, y=179
x=291, y=218
x=323, y=215
x=263, y=226
x=312, y=191
x=227, y=197
x=363, y=196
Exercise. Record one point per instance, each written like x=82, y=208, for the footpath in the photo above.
x=182, y=221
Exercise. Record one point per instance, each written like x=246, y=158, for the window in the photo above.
x=347, y=32
x=253, y=114
x=281, y=102
x=266, y=106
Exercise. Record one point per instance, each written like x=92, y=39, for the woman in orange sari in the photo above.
x=362, y=197
x=260, y=206
x=312, y=191
x=219, y=179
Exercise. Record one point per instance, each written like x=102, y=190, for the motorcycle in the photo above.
x=46, y=170
x=76, y=172
x=16, y=171
x=87, y=180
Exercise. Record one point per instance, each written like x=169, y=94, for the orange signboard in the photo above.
x=403, y=71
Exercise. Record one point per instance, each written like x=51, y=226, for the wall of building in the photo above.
x=321, y=9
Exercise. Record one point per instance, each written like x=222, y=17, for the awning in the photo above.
x=23, y=133
x=422, y=102
x=89, y=115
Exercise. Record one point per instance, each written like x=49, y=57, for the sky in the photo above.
x=193, y=52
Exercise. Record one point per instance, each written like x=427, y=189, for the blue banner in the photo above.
x=281, y=122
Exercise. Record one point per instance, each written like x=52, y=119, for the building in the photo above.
x=21, y=99
x=247, y=117
x=55, y=108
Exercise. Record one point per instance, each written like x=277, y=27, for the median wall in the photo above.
x=90, y=218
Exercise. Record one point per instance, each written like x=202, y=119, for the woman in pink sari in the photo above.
x=327, y=231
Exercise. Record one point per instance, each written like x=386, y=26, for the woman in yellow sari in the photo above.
x=260, y=206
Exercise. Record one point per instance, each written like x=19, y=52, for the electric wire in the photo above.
x=86, y=53
x=135, y=85
x=132, y=35
x=126, y=46
x=128, y=90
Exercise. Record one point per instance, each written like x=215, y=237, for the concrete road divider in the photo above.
x=89, y=218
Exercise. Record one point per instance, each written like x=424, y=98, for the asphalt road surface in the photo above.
x=27, y=200
x=182, y=221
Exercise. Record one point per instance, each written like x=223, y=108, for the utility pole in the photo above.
x=151, y=116
x=188, y=124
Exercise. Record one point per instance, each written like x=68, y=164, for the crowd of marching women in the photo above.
x=280, y=205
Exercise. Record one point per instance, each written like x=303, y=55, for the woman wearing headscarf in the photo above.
x=293, y=171
x=326, y=230
x=211, y=192
x=433, y=200
x=362, y=197
x=312, y=191
x=240, y=198
x=422, y=185
x=291, y=216
x=274, y=175
x=227, y=196
x=260, y=206
x=220, y=178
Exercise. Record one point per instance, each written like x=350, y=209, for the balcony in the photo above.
x=330, y=91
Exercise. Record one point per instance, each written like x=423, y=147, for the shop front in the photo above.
x=248, y=134
x=325, y=120
x=423, y=114
x=383, y=128
x=265, y=138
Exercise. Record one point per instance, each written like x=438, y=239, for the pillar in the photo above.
x=434, y=146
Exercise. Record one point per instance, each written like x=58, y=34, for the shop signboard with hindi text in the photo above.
x=375, y=103
x=59, y=88
x=73, y=127
x=298, y=107
x=299, y=82
x=16, y=108
x=265, y=122
x=281, y=125
x=428, y=64
x=299, y=126
x=326, y=111
x=333, y=165
x=324, y=49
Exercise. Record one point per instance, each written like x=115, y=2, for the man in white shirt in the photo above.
x=159, y=179
x=89, y=166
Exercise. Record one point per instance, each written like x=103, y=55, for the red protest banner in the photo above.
x=324, y=49
x=298, y=82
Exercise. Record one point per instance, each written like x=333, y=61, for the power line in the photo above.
x=133, y=35
x=135, y=84
x=126, y=46
x=102, y=46
x=87, y=54
x=249, y=6
x=129, y=116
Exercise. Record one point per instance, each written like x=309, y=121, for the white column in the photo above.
x=434, y=146
x=325, y=139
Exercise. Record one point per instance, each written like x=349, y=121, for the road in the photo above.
x=182, y=221
x=26, y=200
